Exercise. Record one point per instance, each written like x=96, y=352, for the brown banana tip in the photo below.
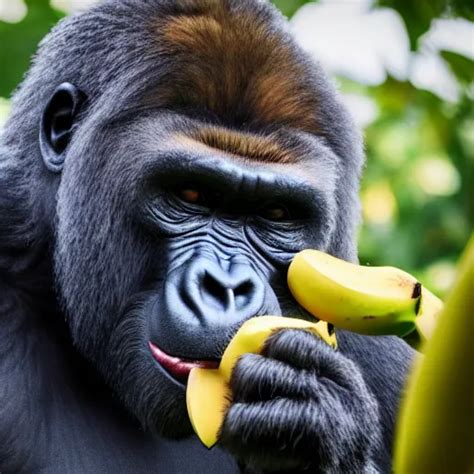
x=416, y=290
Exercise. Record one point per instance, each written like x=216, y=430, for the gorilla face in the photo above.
x=186, y=182
x=166, y=245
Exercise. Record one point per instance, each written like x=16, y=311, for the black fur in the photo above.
x=294, y=401
x=85, y=257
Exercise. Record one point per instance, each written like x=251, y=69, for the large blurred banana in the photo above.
x=435, y=427
x=208, y=393
x=367, y=300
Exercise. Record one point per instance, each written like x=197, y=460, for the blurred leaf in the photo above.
x=461, y=66
x=463, y=8
x=289, y=7
x=417, y=15
x=19, y=41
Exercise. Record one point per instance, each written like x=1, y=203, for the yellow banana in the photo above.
x=208, y=394
x=367, y=300
x=435, y=429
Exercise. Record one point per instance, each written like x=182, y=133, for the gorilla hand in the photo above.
x=301, y=405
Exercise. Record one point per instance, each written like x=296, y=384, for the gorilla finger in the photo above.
x=297, y=347
x=337, y=432
x=257, y=378
x=304, y=350
x=269, y=435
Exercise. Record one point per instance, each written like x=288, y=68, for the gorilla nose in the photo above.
x=226, y=294
x=236, y=291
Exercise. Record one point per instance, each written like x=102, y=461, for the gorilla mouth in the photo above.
x=177, y=367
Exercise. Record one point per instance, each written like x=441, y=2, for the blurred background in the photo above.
x=406, y=71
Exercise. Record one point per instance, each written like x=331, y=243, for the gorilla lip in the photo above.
x=177, y=367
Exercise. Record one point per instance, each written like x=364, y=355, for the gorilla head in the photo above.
x=170, y=158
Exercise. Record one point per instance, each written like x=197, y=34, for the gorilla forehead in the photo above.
x=130, y=48
x=234, y=58
x=255, y=76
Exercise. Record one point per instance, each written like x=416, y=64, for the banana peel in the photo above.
x=366, y=300
x=435, y=432
x=208, y=393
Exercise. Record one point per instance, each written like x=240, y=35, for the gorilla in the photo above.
x=163, y=162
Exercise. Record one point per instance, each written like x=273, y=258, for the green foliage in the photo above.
x=418, y=15
x=462, y=67
x=19, y=42
x=417, y=187
x=289, y=7
x=422, y=150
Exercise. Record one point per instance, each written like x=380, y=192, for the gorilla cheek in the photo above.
x=99, y=265
x=148, y=392
x=99, y=276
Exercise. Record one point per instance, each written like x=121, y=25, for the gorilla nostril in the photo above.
x=217, y=293
x=226, y=295
x=244, y=288
x=243, y=294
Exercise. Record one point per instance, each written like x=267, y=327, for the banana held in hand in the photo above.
x=208, y=394
x=367, y=300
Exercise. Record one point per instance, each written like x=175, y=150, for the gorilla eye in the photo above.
x=195, y=194
x=275, y=212
x=189, y=195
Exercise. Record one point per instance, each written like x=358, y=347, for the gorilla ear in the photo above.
x=57, y=124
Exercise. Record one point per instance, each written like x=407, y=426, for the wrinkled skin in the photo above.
x=146, y=206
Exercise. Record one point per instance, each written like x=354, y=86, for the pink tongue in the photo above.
x=180, y=368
